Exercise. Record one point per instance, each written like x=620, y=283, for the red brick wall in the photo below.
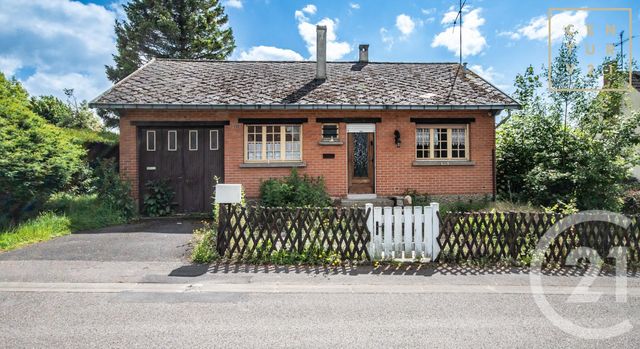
x=394, y=166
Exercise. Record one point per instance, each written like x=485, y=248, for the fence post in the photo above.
x=222, y=227
x=435, y=230
x=371, y=245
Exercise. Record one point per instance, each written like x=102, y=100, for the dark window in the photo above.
x=193, y=140
x=172, y=140
x=151, y=140
x=330, y=132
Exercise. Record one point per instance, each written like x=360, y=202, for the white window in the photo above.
x=193, y=140
x=151, y=140
x=213, y=139
x=273, y=143
x=172, y=140
x=442, y=142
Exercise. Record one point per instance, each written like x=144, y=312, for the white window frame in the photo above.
x=175, y=138
x=151, y=132
x=283, y=146
x=191, y=132
x=432, y=128
x=217, y=146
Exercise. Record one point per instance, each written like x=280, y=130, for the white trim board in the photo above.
x=361, y=128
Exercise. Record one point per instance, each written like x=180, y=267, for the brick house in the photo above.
x=370, y=129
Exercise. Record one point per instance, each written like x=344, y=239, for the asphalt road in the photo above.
x=132, y=287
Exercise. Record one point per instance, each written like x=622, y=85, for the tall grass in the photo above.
x=63, y=214
x=44, y=227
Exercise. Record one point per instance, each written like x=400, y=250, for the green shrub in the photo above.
x=204, y=241
x=159, y=198
x=294, y=191
x=115, y=192
x=631, y=201
x=85, y=211
x=36, y=158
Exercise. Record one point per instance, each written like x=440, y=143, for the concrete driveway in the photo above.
x=136, y=252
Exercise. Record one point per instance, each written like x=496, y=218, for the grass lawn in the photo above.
x=64, y=214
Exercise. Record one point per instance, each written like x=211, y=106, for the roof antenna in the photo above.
x=459, y=17
x=453, y=26
x=621, y=44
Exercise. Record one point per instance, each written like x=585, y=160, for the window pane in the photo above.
x=213, y=139
x=458, y=139
x=254, y=143
x=292, y=143
x=151, y=140
x=440, y=143
x=172, y=140
x=423, y=143
x=193, y=140
x=273, y=143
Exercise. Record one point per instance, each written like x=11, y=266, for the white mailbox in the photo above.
x=228, y=193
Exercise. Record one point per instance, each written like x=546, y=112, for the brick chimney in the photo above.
x=364, y=53
x=321, y=52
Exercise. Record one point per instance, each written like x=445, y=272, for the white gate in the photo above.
x=404, y=232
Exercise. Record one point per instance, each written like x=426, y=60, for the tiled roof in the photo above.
x=188, y=83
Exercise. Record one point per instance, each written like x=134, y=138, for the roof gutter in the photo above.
x=301, y=106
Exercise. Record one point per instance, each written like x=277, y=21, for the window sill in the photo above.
x=330, y=143
x=443, y=163
x=273, y=164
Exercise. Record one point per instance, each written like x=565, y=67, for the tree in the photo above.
x=36, y=157
x=69, y=114
x=189, y=29
x=566, y=146
x=51, y=109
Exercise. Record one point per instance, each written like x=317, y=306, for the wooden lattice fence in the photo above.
x=246, y=232
x=514, y=235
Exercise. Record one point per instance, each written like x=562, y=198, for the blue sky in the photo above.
x=54, y=44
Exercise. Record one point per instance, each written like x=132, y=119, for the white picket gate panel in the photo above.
x=408, y=232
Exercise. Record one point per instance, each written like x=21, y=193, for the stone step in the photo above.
x=377, y=202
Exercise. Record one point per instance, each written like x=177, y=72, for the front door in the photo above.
x=361, y=150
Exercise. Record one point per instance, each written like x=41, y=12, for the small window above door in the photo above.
x=193, y=140
x=151, y=140
x=172, y=140
x=213, y=140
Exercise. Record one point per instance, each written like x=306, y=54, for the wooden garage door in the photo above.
x=188, y=158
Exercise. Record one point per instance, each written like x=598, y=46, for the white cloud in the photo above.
x=9, y=66
x=335, y=49
x=428, y=11
x=270, y=53
x=84, y=86
x=405, y=24
x=310, y=9
x=354, y=5
x=538, y=27
x=490, y=75
x=118, y=7
x=233, y=3
x=386, y=38
x=58, y=39
x=473, y=42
